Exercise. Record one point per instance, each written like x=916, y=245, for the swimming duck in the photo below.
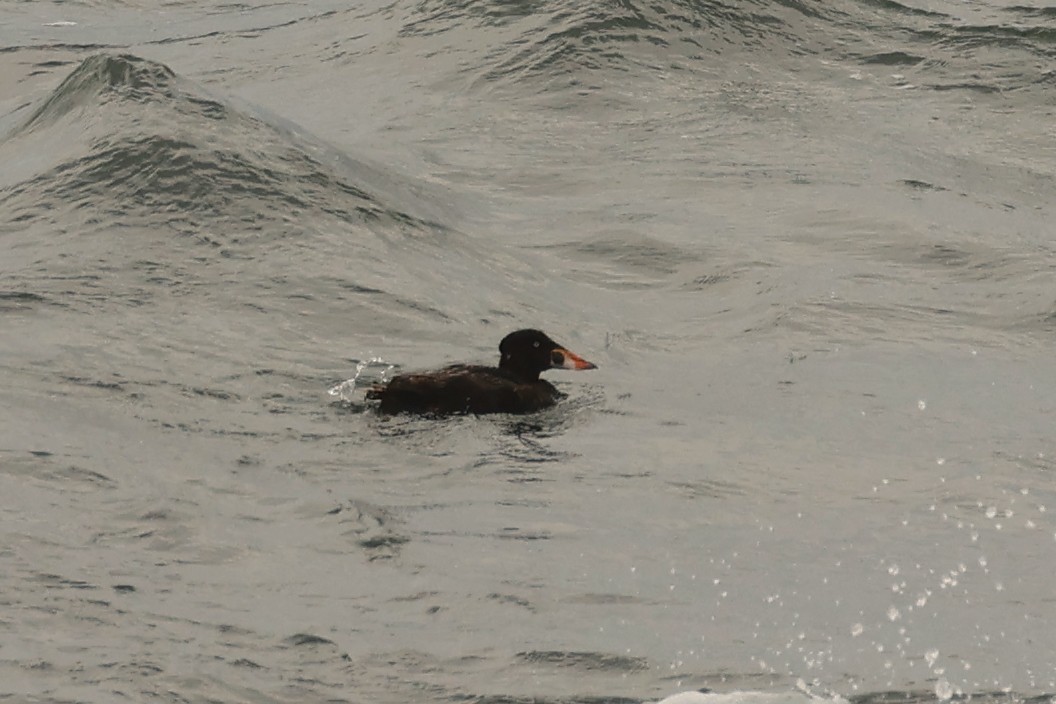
x=512, y=387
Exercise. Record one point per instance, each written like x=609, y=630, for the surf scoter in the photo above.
x=512, y=387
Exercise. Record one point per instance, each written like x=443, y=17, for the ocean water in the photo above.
x=809, y=245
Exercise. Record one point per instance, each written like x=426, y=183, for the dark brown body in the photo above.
x=464, y=389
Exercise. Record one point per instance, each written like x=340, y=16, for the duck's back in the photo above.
x=463, y=389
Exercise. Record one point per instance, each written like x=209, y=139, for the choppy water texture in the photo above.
x=809, y=245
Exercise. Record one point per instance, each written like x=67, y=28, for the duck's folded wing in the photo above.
x=479, y=390
x=453, y=389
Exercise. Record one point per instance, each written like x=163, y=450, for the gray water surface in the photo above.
x=808, y=245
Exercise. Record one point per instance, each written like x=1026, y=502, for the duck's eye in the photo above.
x=535, y=344
x=556, y=358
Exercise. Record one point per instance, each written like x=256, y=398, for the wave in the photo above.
x=630, y=35
x=146, y=176
x=582, y=43
x=135, y=140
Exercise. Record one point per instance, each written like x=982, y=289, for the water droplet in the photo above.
x=943, y=690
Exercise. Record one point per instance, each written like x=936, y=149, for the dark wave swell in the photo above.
x=137, y=140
